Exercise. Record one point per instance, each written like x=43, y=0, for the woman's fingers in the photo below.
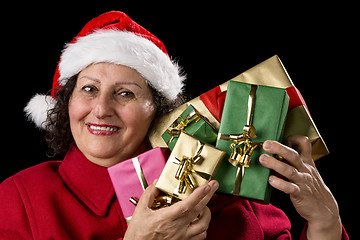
x=303, y=146
x=189, y=208
x=280, y=167
x=293, y=168
x=202, y=199
x=197, y=201
x=198, y=228
x=147, y=198
x=283, y=185
x=188, y=218
x=286, y=152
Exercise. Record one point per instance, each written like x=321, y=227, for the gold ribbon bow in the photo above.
x=242, y=146
x=186, y=169
x=180, y=123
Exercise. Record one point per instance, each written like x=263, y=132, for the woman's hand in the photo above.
x=188, y=219
x=308, y=192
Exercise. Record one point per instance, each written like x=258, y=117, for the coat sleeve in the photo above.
x=303, y=234
x=14, y=222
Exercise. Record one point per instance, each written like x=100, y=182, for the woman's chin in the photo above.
x=101, y=154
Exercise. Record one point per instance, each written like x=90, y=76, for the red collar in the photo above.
x=89, y=182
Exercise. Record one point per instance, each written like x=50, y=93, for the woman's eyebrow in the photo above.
x=116, y=83
x=128, y=83
x=91, y=78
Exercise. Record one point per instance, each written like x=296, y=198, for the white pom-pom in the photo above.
x=37, y=108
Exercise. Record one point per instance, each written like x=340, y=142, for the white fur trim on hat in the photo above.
x=37, y=108
x=124, y=48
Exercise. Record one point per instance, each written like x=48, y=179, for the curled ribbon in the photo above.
x=180, y=123
x=159, y=202
x=186, y=169
x=242, y=146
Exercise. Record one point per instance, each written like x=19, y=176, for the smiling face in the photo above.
x=110, y=110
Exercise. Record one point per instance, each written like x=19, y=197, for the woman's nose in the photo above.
x=103, y=107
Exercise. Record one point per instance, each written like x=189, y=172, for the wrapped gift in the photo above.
x=131, y=177
x=252, y=114
x=192, y=163
x=271, y=73
x=193, y=123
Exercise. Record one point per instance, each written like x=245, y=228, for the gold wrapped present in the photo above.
x=191, y=164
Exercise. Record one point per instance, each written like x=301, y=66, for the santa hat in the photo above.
x=112, y=37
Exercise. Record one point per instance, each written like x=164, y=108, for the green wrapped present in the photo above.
x=252, y=114
x=193, y=123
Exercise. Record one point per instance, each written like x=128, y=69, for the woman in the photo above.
x=112, y=80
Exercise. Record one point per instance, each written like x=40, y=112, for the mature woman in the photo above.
x=112, y=80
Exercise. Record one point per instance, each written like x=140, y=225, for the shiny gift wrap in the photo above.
x=270, y=72
x=193, y=123
x=191, y=164
x=131, y=177
x=241, y=133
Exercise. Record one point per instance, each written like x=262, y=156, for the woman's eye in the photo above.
x=88, y=89
x=126, y=94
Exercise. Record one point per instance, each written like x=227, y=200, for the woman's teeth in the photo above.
x=101, y=128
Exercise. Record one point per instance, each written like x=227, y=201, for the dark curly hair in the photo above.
x=58, y=133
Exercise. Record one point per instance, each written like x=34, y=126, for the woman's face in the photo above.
x=110, y=109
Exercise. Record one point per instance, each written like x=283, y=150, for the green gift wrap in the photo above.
x=252, y=114
x=193, y=123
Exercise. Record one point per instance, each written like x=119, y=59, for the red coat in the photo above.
x=74, y=199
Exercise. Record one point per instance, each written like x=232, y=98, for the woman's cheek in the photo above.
x=138, y=115
x=78, y=108
x=148, y=109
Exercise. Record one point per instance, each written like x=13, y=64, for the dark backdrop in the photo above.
x=213, y=43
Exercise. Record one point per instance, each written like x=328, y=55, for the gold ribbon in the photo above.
x=242, y=146
x=186, y=169
x=160, y=201
x=139, y=173
x=180, y=123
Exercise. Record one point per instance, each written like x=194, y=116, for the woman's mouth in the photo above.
x=102, y=129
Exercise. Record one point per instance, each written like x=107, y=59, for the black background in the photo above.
x=213, y=43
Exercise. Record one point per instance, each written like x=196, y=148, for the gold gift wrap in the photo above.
x=271, y=73
x=191, y=164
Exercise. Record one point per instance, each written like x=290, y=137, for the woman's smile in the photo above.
x=102, y=129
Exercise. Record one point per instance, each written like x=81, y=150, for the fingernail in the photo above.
x=267, y=145
x=207, y=189
x=271, y=179
x=264, y=157
x=214, y=184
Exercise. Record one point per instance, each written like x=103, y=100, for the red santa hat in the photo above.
x=115, y=38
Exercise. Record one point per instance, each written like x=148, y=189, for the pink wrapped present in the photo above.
x=130, y=177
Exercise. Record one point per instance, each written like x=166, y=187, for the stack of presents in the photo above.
x=219, y=135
